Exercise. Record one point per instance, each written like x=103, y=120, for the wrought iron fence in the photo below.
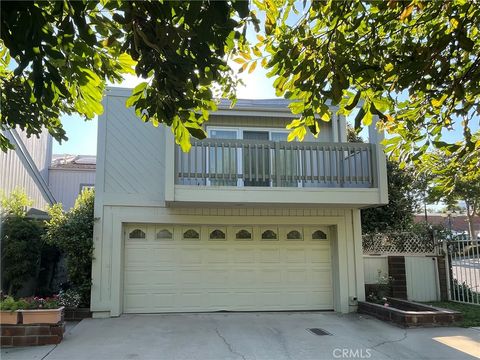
x=463, y=262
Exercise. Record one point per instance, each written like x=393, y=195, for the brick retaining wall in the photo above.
x=31, y=335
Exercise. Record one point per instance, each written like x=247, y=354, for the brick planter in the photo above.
x=410, y=314
x=77, y=314
x=31, y=335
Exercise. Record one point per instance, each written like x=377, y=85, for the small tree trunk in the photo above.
x=471, y=230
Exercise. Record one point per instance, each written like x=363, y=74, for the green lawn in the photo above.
x=471, y=313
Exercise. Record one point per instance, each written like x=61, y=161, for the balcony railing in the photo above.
x=243, y=163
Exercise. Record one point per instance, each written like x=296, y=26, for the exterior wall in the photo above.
x=132, y=163
x=130, y=157
x=66, y=184
x=14, y=174
x=107, y=285
x=326, y=133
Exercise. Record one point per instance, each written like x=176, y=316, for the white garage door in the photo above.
x=236, y=268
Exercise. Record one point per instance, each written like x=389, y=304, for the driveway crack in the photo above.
x=391, y=341
x=229, y=346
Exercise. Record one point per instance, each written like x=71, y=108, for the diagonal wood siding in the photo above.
x=134, y=152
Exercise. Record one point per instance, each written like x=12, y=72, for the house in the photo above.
x=458, y=223
x=45, y=178
x=245, y=221
x=26, y=168
x=69, y=175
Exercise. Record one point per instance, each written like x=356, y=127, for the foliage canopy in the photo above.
x=414, y=64
x=57, y=56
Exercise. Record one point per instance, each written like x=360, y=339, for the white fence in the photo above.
x=463, y=263
x=421, y=275
x=420, y=253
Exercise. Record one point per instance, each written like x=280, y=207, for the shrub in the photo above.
x=72, y=233
x=461, y=291
x=381, y=289
x=20, y=242
x=9, y=304
x=69, y=298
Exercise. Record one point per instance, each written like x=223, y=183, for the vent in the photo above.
x=318, y=331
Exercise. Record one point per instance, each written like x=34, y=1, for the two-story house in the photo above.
x=245, y=221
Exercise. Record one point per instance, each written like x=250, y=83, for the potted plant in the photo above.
x=8, y=310
x=42, y=311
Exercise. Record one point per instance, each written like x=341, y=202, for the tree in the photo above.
x=56, y=57
x=414, y=64
x=465, y=185
x=397, y=215
x=72, y=233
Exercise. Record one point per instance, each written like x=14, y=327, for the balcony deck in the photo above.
x=257, y=163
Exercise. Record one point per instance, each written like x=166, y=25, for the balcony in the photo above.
x=260, y=171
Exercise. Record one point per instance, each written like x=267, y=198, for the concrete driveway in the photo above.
x=245, y=336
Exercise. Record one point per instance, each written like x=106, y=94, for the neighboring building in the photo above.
x=26, y=167
x=245, y=221
x=457, y=222
x=69, y=175
x=30, y=168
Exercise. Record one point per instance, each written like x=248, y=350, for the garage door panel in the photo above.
x=190, y=256
x=269, y=255
x=242, y=255
x=205, y=275
x=296, y=255
x=217, y=256
x=319, y=255
x=245, y=277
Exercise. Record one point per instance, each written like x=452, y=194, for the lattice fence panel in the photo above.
x=398, y=243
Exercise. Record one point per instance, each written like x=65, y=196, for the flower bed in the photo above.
x=409, y=314
x=31, y=321
x=32, y=310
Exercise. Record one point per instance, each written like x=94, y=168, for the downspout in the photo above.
x=30, y=165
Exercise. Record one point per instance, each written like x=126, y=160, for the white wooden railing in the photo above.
x=226, y=162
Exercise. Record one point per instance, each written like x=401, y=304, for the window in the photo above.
x=319, y=235
x=87, y=186
x=217, y=235
x=191, y=234
x=294, y=235
x=164, y=234
x=269, y=235
x=243, y=235
x=136, y=234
